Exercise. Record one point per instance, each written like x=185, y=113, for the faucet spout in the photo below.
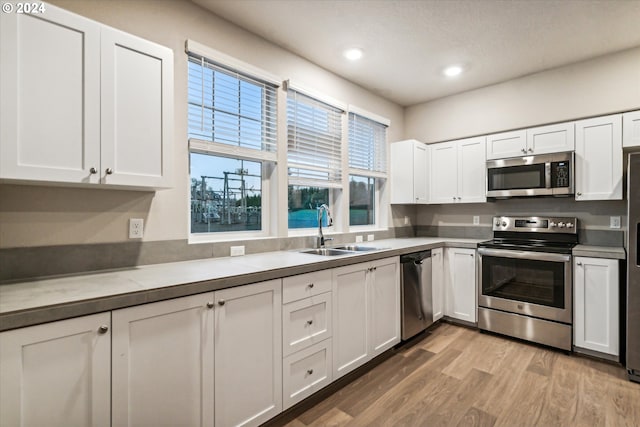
x=320, y=238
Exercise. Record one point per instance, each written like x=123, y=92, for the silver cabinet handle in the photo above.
x=103, y=329
x=579, y=193
x=109, y=171
x=524, y=150
x=93, y=171
x=221, y=302
x=309, y=322
x=310, y=286
x=309, y=371
x=531, y=150
x=471, y=254
x=579, y=263
x=210, y=304
x=454, y=198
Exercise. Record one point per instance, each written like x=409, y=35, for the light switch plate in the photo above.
x=476, y=220
x=370, y=237
x=136, y=228
x=614, y=222
x=237, y=251
x=358, y=239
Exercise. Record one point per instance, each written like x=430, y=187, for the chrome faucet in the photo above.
x=320, y=239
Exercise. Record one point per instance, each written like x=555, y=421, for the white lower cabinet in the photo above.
x=366, y=312
x=596, y=324
x=460, y=284
x=57, y=374
x=202, y=360
x=163, y=363
x=248, y=354
x=306, y=372
x=437, y=282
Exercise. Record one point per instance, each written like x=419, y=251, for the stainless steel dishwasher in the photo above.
x=417, y=300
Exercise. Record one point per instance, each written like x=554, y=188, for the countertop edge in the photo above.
x=80, y=307
x=608, y=252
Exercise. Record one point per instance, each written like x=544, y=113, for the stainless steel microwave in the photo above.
x=541, y=175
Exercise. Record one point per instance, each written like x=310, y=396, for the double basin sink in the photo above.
x=340, y=250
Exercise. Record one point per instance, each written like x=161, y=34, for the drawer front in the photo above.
x=305, y=285
x=306, y=372
x=305, y=322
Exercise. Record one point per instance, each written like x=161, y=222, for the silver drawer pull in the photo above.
x=579, y=263
x=309, y=371
x=103, y=329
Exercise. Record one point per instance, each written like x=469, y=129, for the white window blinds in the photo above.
x=314, y=135
x=367, y=146
x=231, y=108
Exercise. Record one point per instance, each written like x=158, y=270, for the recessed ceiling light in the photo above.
x=452, y=71
x=353, y=54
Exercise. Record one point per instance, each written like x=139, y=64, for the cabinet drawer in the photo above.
x=306, y=322
x=305, y=285
x=306, y=372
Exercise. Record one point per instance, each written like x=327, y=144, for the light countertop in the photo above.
x=48, y=299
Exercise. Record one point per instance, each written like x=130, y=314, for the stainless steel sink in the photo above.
x=327, y=251
x=357, y=248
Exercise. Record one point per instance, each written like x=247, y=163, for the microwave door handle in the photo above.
x=547, y=175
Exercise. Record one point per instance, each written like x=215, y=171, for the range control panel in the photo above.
x=535, y=224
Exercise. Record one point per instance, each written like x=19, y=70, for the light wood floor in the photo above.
x=460, y=377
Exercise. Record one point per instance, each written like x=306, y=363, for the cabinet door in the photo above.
x=350, y=328
x=444, y=172
x=136, y=110
x=163, y=363
x=599, y=158
x=50, y=104
x=57, y=374
x=248, y=354
x=384, y=305
x=420, y=173
x=401, y=172
x=472, y=181
x=596, y=305
x=631, y=129
x=551, y=139
x=506, y=144
x=460, y=296
x=437, y=282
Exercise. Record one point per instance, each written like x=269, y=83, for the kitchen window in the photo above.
x=314, y=157
x=232, y=147
x=367, y=168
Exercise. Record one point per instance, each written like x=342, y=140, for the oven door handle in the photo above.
x=538, y=256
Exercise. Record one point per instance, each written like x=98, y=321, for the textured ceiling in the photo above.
x=407, y=43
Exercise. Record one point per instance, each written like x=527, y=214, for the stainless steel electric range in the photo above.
x=526, y=279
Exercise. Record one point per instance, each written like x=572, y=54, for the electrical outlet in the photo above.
x=614, y=222
x=136, y=228
x=358, y=239
x=476, y=220
x=237, y=251
x=370, y=237
x=406, y=220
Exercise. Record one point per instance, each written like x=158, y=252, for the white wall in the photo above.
x=36, y=216
x=607, y=84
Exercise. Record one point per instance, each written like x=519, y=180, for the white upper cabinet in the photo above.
x=409, y=172
x=83, y=103
x=528, y=142
x=506, y=144
x=631, y=129
x=136, y=111
x=551, y=139
x=599, y=158
x=50, y=104
x=458, y=171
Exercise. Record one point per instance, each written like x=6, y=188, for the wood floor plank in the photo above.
x=457, y=376
x=356, y=403
x=333, y=418
x=475, y=417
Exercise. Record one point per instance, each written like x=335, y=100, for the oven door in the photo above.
x=537, y=284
